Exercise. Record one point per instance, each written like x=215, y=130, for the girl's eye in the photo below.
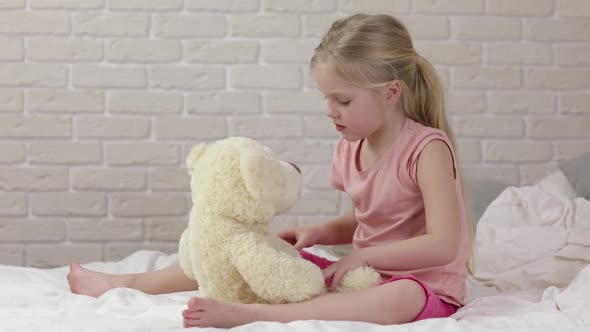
x=341, y=102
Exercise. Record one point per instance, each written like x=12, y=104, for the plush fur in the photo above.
x=237, y=187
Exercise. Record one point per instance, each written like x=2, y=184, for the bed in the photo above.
x=533, y=246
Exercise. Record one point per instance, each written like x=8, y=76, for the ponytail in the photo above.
x=428, y=95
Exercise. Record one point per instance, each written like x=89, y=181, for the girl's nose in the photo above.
x=331, y=112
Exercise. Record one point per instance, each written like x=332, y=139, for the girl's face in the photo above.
x=356, y=112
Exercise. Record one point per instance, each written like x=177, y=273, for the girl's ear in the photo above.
x=394, y=91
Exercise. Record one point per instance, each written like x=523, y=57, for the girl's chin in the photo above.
x=351, y=138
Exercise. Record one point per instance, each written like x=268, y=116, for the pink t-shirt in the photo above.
x=389, y=206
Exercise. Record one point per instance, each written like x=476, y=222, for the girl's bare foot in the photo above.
x=207, y=312
x=92, y=283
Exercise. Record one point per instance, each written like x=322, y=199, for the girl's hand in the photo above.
x=338, y=269
x=301, y=237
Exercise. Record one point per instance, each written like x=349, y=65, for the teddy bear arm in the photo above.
x=276, y=276
x=283, y=246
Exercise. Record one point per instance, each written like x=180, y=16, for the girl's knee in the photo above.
x=407, y=299
x=410, y=289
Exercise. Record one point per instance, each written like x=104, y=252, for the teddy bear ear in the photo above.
x=194, y=155
x=249, y=168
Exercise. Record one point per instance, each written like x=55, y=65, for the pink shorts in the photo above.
x=435, y=307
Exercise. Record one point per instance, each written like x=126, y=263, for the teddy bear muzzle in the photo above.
x=293, y=188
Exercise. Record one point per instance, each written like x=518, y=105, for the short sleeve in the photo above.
x=413, y=163
x=337, y=164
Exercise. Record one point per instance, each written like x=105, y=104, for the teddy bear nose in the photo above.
x=296, y=167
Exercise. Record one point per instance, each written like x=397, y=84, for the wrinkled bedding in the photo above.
x=532, y=274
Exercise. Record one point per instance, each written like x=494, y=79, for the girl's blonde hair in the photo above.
x=371, y=51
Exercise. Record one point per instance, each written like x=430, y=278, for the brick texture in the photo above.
x=101, y=101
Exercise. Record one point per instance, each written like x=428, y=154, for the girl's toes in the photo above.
x=189, y=314
x=190, y=322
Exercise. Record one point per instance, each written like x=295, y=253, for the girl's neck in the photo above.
x=383, y=138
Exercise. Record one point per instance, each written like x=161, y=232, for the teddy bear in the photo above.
x=237, y=187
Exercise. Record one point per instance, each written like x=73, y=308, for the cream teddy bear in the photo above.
x=237, y=187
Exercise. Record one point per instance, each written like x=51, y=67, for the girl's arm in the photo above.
x=440, y=244
x=337, y=231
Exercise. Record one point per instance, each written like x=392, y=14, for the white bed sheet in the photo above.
x=537, y=227
x=40, y=300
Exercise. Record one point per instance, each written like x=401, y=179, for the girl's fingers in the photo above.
x=301, y=243
x=336, y=280
x=285, y=233
x=298, y=246
x=328, y=272
x=288, y=236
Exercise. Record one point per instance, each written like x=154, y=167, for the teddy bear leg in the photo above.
x=359, y=279
x=184, y=255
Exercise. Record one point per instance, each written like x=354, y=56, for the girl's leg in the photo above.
x=392, y=303
x=168, y=280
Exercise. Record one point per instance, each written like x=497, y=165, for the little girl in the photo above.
x=396, y=161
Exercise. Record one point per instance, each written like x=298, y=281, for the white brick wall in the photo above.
x=100, y=102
